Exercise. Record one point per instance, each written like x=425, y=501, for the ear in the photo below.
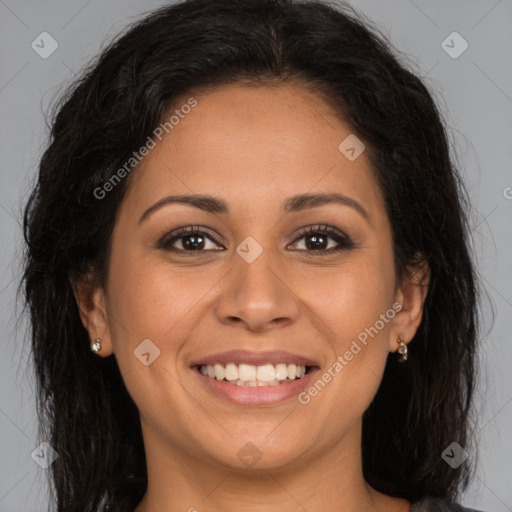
x=411, y=294
x=91, y=304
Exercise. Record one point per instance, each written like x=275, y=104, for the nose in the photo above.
x=257, y=295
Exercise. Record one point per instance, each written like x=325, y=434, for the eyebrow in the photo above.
x=295, y=203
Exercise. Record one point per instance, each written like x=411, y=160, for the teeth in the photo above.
x=247, y=372
x=231, y=371
x=248, y=375
x=220, y=371
x=281, y=371
x=266, y=373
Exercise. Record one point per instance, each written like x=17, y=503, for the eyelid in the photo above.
x=344, y=242
x=178, y=233
x=332, y=232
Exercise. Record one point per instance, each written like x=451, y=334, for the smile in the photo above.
x=248, y=375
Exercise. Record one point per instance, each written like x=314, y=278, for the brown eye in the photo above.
x=190, y=239
x=317, y=239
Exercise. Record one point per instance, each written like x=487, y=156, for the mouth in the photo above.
x=248, y=375
x=250, y=378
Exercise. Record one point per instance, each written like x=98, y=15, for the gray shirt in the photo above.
x=429, y=504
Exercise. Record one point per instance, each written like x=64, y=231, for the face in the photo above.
x=287, y=266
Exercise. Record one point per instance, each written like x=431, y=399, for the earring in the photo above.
x=96, y=346
x=402, y=349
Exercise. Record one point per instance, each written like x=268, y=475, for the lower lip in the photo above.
x=260, y=395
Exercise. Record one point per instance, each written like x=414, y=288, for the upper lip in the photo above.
x=255, y=358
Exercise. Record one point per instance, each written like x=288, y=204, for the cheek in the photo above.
x=152, y=310
x=350, y=297
x=356, y=320
x=150, y=299
x=147, y=296
x=352, y=306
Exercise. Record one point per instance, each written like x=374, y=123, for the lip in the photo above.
x=255, y=396
x=255, y=358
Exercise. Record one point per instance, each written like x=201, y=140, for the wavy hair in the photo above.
x=84, y=409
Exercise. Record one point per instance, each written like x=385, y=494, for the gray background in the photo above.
x=474, y=92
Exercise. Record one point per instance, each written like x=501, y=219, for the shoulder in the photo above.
x=431, y=504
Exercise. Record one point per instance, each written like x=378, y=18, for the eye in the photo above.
x=317, y=239
x=192, y=239
x=189, y=239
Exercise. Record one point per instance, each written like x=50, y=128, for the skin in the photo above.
x=253, y=147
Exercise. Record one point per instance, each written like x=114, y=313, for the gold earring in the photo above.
x=402, y=349
x=96, y=346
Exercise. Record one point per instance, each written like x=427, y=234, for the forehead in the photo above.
x=253, y=144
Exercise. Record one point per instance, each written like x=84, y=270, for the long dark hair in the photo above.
x=85, y=411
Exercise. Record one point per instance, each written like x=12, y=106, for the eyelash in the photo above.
x=344, y=242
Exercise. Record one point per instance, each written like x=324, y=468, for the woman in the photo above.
x=248, y=273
